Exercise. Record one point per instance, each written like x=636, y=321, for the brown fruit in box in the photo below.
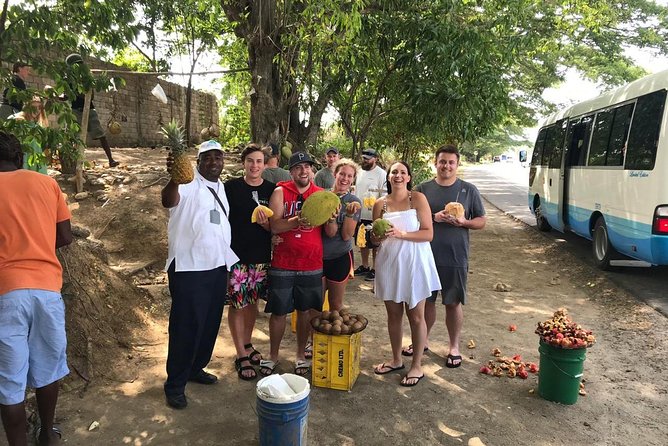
x=325, y=315
x=336, y=329
x=334, y=314
x=455, y=209
x=357, y=326
x=338, y=322
x=344, y=311
x=345, y=329
x=315, y=323
x=326, y=328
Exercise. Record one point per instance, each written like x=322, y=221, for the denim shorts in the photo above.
x=32, y=342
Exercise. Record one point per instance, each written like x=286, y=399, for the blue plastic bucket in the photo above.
x=282, y=410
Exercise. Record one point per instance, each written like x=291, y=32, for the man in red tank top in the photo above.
x=295, y=276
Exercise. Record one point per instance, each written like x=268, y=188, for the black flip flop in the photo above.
x=389, y=368
x=406, y=352
x=404, y=381
x=450, y=361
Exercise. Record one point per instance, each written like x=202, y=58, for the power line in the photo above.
x=167, y=73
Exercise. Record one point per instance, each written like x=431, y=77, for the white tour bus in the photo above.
x=600, y=170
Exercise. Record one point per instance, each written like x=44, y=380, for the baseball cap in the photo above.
x=73, y=59
x=299, y=157
x=209, y=145
x=369, y=153
x=332, y=149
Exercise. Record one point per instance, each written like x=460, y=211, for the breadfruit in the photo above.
x=361, y=237
x=319, y=207
x=114, y=127
x=268, y=212
x=380, y=227
x=455, y=209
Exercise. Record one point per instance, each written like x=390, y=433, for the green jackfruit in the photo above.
x=319, y=207
x=380, y=227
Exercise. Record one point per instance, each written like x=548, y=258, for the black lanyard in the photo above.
x=218, y=200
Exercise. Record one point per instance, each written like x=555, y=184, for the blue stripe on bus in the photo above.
x=625, y=234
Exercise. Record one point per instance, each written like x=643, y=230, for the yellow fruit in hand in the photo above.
x=268, y=212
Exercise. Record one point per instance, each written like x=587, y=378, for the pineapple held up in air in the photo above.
x=182, y=168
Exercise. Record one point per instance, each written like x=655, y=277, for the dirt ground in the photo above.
x=117, y=303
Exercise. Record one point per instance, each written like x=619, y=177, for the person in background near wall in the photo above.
x=9, y=107
x=251, y=241
x=33, y=342
x=325, y=177
x=199, y=256
x=337, y=241
x=272, y=171
x=406, y=270
x=95, y=130
x=450, y=245
x=371, y=185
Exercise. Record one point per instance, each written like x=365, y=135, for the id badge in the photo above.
x=214, y=216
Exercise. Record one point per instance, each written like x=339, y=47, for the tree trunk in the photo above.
x=265, y=81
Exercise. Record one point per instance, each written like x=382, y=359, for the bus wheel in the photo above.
x=601, y=247
x=541, y=221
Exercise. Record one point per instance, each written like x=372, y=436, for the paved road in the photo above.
x=505, y=185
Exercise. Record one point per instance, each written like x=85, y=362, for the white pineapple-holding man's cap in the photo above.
x=209, y=145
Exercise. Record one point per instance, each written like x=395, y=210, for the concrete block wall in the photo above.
x=139, y=112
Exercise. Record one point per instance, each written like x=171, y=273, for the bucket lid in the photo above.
x=283, y=389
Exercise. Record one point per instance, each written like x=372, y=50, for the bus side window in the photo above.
x=644, y=132
x=598, y=149
x=618, y=135
x=549, y=145
x=537, y=154
x=558, y=136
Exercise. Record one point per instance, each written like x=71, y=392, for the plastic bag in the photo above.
x=159, y=93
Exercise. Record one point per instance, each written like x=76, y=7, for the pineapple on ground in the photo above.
x=182, y=169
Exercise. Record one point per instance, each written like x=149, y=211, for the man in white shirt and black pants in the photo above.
x=197, y=267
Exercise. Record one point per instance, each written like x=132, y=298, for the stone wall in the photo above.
x=139, y=112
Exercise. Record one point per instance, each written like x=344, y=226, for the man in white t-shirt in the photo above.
x=198, y=259
x=371, y=184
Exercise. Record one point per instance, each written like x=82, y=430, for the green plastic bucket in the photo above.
x=560, y=373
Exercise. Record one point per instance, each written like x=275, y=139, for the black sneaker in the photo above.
x=177, y=401
x=361, y=270
x=371, y=275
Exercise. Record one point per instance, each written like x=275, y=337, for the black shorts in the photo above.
x=294, y=290
x=453, y=282
x=338, y=269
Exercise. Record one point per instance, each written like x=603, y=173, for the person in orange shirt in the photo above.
x=35, y=222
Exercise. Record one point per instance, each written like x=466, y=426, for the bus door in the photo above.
x=575, y=146
x=554, y=149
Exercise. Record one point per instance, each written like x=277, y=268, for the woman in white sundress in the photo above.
x=405, y=270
